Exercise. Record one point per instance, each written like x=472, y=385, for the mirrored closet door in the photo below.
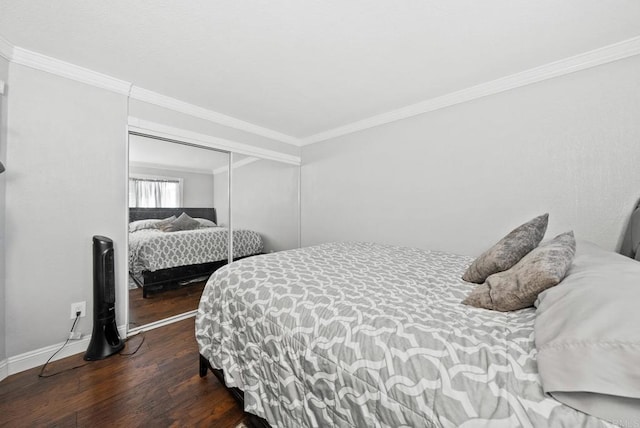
x=185, y=201
x=178, y=225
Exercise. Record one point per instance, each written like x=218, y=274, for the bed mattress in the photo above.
x=367, y=335
x=152, y=249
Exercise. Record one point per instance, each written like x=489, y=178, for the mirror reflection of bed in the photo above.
x=167, y=265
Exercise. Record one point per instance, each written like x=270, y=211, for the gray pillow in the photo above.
x=162, y=223
x=184, y=222
x=588, y=337
x=508, y=251
x=519, y=286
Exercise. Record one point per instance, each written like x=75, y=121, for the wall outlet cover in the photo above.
x=78, y=307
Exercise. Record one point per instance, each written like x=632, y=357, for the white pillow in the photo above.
x=205, y=222
x=587, y=333
x=134, y=226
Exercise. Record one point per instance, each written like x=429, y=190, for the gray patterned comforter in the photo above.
x=358, y=334
x=152, y=249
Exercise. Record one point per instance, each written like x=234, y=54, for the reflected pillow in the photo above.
x=184, y=222
x=508, y=251
x=518, y=287
x=205, y=222
x=134, y=226
x=160, y=224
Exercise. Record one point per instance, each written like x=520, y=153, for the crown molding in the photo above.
x=6, y=49
x=84, y=75
x=604, y=55
x=174, y=104
x=70, y=71
x=596, y=57
x=153, y=129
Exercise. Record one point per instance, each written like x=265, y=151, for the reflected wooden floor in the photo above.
x=163, y=304
x=159, y=386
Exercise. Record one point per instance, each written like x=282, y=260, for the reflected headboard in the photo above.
x=146, y=213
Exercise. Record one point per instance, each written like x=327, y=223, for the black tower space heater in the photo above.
x=105, y=339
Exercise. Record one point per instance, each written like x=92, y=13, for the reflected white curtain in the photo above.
x=145, y=193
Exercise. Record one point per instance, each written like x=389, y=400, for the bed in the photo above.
x=361, y=334
x=157, y=258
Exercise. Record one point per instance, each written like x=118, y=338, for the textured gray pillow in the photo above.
x=508, y=251
x=519, y=286
x=162, y=223
x=184, y=222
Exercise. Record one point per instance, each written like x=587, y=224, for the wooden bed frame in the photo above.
x=253, y=420
x=180, y=273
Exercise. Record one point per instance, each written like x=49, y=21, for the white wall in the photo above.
x=4, y=76
x=221, y=197
x=197, y=189
x=66, y=183
x=459, y=178
x=265, y=199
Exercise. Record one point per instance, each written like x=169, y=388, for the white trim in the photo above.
x=80, y=74
x=38, y=357
x=70, y=71
x=1, y=87
x=162, y=323
x=4, y=369
x=236, y=165
x=155, y=177
x=164, y=131
x=174, y=104
x=593, y=58
x=6, y=49
x=123, y=302
x=604, y=55
x=230, y=208
x=170, y=167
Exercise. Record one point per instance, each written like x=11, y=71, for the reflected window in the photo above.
x=155, y=192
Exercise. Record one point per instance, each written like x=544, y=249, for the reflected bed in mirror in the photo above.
x=164, y=178
x=160, y=257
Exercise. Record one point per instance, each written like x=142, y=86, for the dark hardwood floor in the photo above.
x=159, y=386
x=163, y=304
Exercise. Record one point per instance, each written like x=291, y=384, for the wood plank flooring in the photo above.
x=163, y=304
x=159, y=386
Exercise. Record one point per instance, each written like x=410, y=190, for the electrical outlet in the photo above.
x=78, y=307
x=75, y=335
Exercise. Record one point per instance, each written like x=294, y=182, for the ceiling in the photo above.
x=154, y=153
x=306, y=67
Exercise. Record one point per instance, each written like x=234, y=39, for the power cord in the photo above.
x=41, y=374
x=128, y=354
x=73, y=326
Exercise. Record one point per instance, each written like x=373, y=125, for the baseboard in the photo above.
x=4, y=369
x=36, y=358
